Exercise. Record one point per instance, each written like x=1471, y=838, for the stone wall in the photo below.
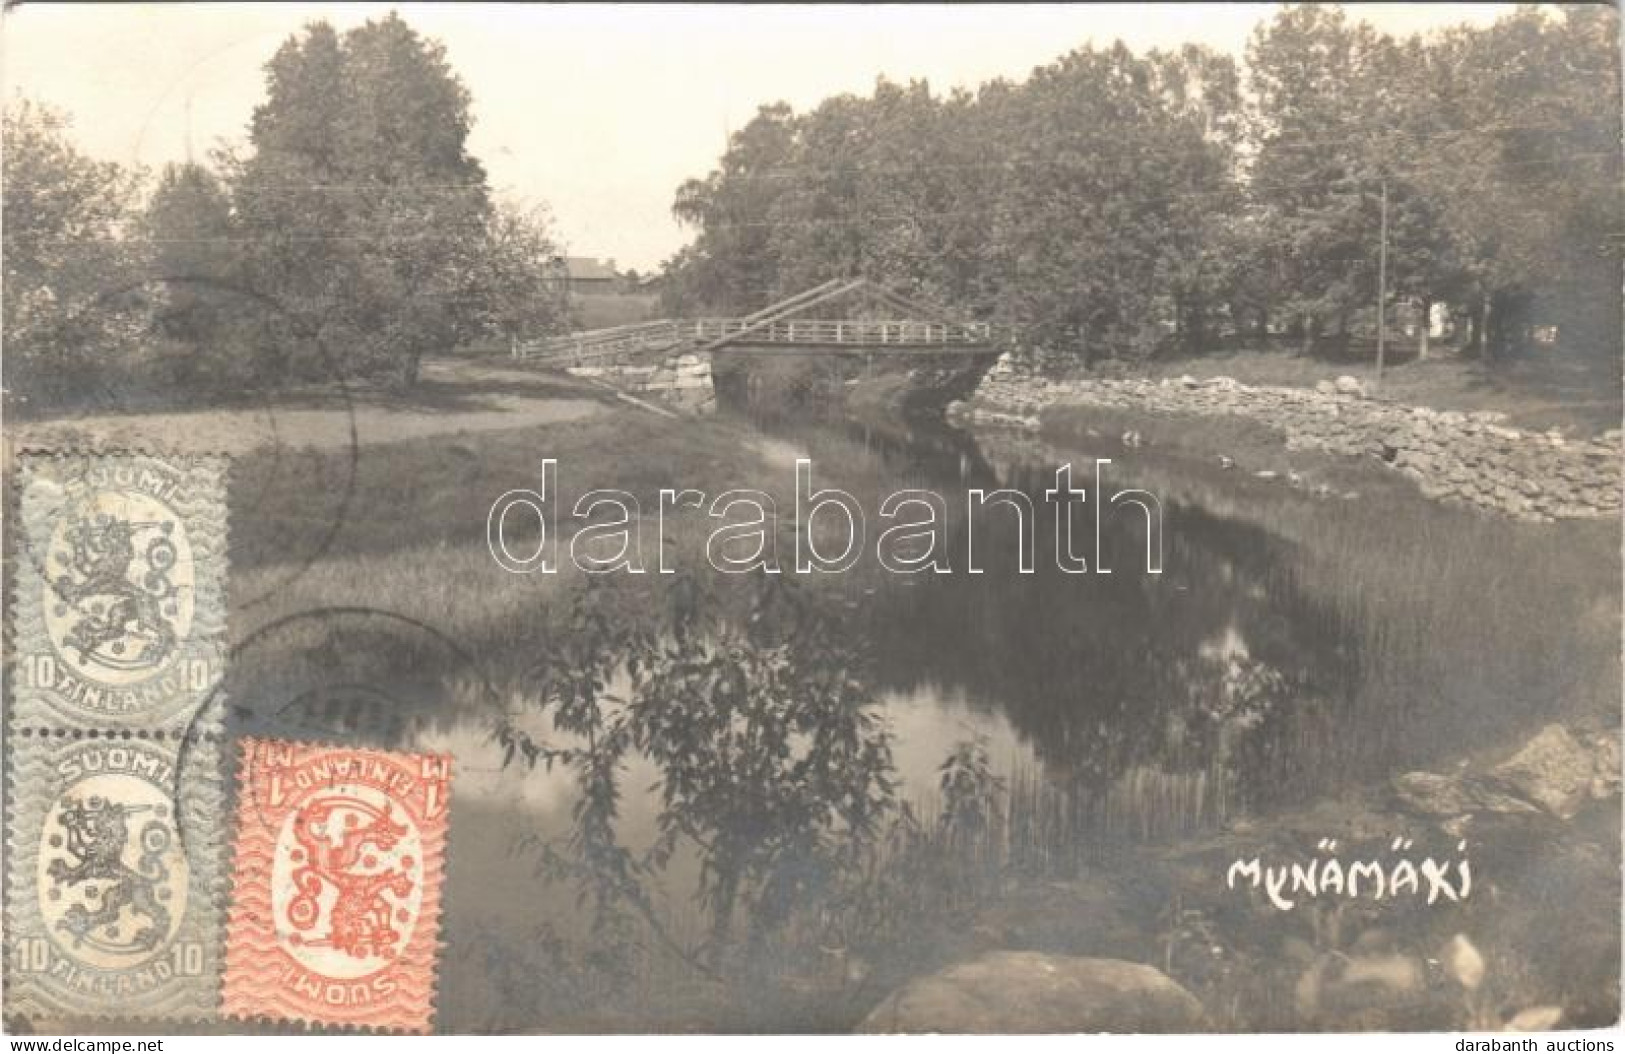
x=1453, y=456
x=683, y=381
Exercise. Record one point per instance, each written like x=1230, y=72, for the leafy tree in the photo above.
x=1076, y=204
x=1113, y=200
x=518, y=294
x=1197, y=97
x=192, y=269
x=366, y=214
x=772, y=763
x=69, y=309
x=1500, y=156
x=1308, y=174
x=732, y=266
x=1529, y=183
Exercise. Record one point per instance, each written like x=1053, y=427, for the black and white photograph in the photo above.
x=668, y=520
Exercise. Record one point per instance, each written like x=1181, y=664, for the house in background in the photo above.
x=599, y=295
x=583, y=274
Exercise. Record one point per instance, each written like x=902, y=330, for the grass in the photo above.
x=602, y=310
x=408, y=526
x=1448, y=608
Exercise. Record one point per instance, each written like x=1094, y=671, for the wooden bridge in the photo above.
x=906, y=328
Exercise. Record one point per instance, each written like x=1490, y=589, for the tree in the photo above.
x=1115, y=164
x=1078, y=205
x=192, y=264
x=365, y=213
x=1308, y=174
x=733, y=266
x=1113, y=201
x=771, y=762
x=70, y=310
x=1499, y=149
x=1529, y=185
x=1198, y=129
x=520, y=296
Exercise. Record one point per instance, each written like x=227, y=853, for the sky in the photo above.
x=597, y=111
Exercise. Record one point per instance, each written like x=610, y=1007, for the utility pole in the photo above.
x=1382, y=283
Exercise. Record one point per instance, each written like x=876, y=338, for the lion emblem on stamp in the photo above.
x=99, y=896
x=120, y=616
x=347, y=881
x=115, y=908
x=120, y=592
x=338, y=867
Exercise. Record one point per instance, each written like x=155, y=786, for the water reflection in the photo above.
x=1205, y=671
x=1149, y=703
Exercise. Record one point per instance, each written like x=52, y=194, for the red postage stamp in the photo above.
x=335, y=914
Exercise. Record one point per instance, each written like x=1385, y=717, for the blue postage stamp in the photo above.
x=120, y=604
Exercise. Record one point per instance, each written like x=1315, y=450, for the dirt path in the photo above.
x=453, y=396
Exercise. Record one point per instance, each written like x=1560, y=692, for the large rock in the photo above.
x=1433, y=794
x=1029, y=992
x=1347, y=385
x=1605, y=759
x=1359, y=990
x=1553, y=770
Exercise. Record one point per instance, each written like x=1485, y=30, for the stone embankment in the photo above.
x=683, y=381
x=1471, y=458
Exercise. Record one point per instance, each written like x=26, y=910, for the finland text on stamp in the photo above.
x=113, y=865
x=339, y=860
x=120, y=613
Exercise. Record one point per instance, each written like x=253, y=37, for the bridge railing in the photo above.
x=861, y=332
x=593, y=344
x=665, y=334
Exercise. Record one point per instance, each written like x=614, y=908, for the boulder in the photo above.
x=1347, y=385
x=1605, y=760
x=1553, y=770
x=1354, y=990
x=1432, y=794
x=1008, y=992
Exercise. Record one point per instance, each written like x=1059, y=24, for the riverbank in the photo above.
x=1467, y=457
